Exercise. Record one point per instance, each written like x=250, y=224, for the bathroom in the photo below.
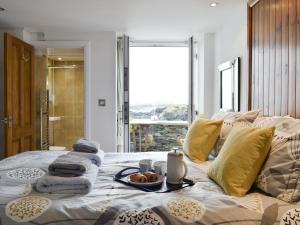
x=60, y=93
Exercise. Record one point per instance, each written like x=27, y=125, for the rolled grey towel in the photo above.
x=83, y=145
x=95, y=158
x=68, y=185
x=69, y=166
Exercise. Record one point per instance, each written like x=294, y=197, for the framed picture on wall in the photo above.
x=230, y=85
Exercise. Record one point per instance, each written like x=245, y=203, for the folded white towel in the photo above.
x=69, y=166
x=83, y=145
x=68, y=185
x=96, y=159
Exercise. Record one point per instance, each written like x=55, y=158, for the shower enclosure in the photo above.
x=62, y=100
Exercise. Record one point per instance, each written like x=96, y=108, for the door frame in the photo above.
x=190, y=44
x=191, y=103
x=86, y=45
x=126, y=91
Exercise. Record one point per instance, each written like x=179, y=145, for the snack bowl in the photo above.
x=159, y=181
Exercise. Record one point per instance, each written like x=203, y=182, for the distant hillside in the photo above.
x=159, y=112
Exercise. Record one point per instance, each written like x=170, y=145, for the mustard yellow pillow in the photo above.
x=241, y=158
x=201, y=138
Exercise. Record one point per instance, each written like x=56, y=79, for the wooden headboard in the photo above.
x=274, y=56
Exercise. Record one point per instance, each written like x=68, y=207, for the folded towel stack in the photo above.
x=94, y=158
x=83, y=145
x=69, y=166
x=75, y=172
x=88, y=149
x=68, y=185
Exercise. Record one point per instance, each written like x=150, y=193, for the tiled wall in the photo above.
x=66, y=88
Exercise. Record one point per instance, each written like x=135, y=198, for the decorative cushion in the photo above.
x=249, y=116
x=201, y=138
x=230, y=119
x=280, y=176
x=241, y=158
x=285, y=124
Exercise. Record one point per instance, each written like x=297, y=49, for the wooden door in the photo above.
x=19, y=96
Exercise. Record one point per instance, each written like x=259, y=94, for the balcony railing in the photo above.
x=156, y=135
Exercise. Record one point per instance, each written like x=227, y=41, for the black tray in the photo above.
x=163, y=188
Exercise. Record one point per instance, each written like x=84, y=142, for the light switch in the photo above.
x=101, y=102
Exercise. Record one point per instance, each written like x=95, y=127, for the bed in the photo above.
x=111, y=202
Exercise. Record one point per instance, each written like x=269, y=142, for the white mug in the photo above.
x=176, y=168
x=160, y=167
x=145, y=165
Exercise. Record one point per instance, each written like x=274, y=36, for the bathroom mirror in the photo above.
x=230, y=85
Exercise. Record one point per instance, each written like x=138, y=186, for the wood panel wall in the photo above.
x=274, y=57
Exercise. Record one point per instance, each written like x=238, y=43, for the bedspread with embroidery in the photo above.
x=113, y=203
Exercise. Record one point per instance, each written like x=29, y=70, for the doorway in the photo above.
x=159, y=97
x=61, y=97
x=155, y=94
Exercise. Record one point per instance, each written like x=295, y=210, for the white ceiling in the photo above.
x=139, y=18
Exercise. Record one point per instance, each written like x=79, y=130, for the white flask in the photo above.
x=176, y=167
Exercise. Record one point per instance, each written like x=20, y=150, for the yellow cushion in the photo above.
x=201, y=138
x=241, y=158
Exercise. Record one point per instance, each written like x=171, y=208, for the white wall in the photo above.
x=228, y=42
x=102, y=84
x=231, y=42
x=205, y=79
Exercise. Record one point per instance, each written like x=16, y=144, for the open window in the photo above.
x=157, y=94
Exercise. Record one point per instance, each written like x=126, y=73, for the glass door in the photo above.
x=192, y=68
x=155, y=94
x=123, y=94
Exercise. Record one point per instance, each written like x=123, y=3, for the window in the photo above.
x=159, y=92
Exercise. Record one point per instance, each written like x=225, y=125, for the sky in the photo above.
x=158, y=75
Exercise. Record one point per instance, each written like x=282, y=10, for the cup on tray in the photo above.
x=145, y=165
x=160, y=167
